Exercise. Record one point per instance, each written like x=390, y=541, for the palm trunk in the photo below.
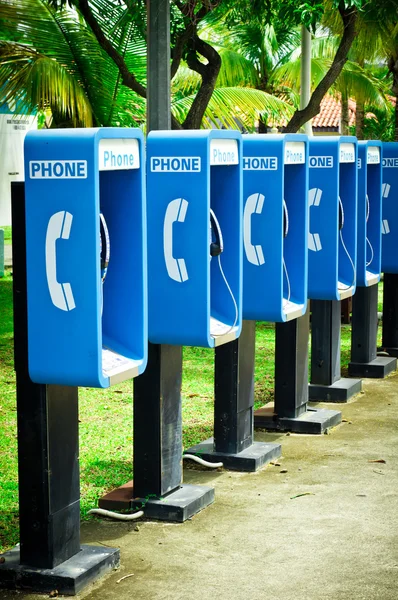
x=305, y=91
x=393, y=66
x=359, y=120
x=345, y=116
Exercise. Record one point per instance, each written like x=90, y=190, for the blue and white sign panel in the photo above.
x=194, y=298
x=369, y=212
x=275, y=225
x=389, y=226
x=84, y=329
x=332, y=199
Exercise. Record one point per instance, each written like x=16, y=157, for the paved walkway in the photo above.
x=320, y=525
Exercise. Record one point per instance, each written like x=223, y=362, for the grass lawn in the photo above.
x=106, y=441
x=7, y=233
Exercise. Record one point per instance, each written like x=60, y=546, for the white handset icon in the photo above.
x=254, y=254
x=58, y=227
x=176, y=211
x=385, y=228
x=314, y=199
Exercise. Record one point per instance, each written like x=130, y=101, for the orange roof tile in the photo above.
x=330, y=113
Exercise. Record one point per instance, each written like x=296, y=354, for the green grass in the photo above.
x=106, y=433
x=7, y=234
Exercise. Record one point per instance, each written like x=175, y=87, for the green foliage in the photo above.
x=378, y=124
x=55, y=62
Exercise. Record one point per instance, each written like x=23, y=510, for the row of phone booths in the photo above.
x=177, y=242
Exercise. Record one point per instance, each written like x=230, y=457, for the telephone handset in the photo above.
x=217, y=246
x=285, y=220
x=341, y=214
x=58, y=227
x=105, y=247
x=254, y=253
x=175, y=212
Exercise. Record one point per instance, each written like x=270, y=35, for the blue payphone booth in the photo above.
x=194, y=184
x=389, y=255
x=332, y=200
x=275, y=183
x=369, y=213
x=86, y=256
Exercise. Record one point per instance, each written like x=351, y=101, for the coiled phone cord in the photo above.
x=345, y=288
x=233, y=300
x=285, y=232
x=367, y=239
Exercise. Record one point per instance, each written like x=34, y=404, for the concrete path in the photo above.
x=321, y=525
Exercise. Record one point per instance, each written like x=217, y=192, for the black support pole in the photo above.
x=291, y=411
x=389, y=341
x=364, y=359
x=157, y=393
x=327, y=385
x=233, y=443
x=49, y=556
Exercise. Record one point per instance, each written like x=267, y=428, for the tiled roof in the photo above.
x=330, y=113
x=328, y=118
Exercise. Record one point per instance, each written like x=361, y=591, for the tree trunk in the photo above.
x=349, y=17
x=345, y=116
x=393, y=66
x=262, y=126
x=360, y=119
x=305, y=80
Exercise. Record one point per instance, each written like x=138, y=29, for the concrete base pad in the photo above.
x=69, y=578
x=178, y=506
x=251, y=459
x=377, y=368
x=340, y=391
x=390, y=351
x=314, y=420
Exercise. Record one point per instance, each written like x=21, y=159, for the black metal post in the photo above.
x=389, y=341
x=291, y=411
x=233, y=408
x=327, y=385
x=157, y=392
x=50, y=556
x=364, y=359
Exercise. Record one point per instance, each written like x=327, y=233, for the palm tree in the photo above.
x=50, y=59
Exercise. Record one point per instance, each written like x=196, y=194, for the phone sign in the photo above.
x=118, y=154
x=294, y=153
x=58, y=169
x=347, y=153
x=373, y=155
x=224, y=152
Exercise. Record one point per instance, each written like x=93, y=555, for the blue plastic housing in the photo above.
x=189, y=173
x=389, y=227
x=275, y=169
x=332, y=249
x=370, y=155
x=83, y=332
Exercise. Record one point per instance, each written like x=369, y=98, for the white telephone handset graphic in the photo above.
x=176, y=211
x=58, y=227
x=314, y=199
x=385, y=228
x=254, y=254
